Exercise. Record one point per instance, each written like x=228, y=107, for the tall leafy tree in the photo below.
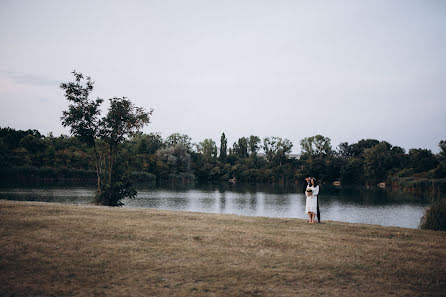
x=242, y=145
x=440, y=170
x=316, y=146
x=422, y=159
x=122, y=120
x=148, y=143
x=442, y=146
x=277, y=149
x=352, y=172
x=176, y=158
x=377, y=162
x=183, y=139
x=208, y=149
x=344, y=150
x=399, y=158
x=223, y=147
x=235, y=149
x=254, y=144
x=358, y=148
x=83, y=115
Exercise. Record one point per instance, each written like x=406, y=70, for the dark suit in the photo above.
x=304, y=189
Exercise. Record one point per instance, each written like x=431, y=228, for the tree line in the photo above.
x=150, y=157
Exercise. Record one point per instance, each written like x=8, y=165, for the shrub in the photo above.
x=435, y=216
x=111, y=195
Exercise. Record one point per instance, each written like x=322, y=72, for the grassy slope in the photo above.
x=63, y=250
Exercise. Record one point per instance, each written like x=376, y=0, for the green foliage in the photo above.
x=316, y=146
x=32, y=143
x=353, y=172
x=254, y=143
x=12, y=137
x=277, y=149
x=112, y=194
x=105, y=134
x=147, y=143
x=435, y=216
x=377, y=161
x=83, y=114
x=177, y=138
x=173, y=160
x=208, y=148
x=122, y=120
x=223, y=147
x=422, y=159
x=30, y=174
x=240, y=148
x=439, y=171
x=149, y=158
x=357, y=149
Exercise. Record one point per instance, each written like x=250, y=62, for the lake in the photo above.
x=354, y=205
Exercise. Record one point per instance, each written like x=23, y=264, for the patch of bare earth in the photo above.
x=66, y=250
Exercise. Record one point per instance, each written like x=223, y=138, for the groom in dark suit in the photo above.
x=318, y=214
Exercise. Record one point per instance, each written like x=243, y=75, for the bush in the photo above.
x=111, y=195
x=435, y=216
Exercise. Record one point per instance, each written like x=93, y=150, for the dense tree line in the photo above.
x=150, y=157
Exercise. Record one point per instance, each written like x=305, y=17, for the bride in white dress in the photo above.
x=311, y=205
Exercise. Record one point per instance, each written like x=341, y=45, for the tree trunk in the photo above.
x=98, y=173
x=110, y=164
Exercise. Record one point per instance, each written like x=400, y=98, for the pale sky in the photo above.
x=344, y=69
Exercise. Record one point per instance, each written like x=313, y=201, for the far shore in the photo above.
x=84, y=250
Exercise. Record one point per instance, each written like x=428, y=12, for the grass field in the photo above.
x=66, y=250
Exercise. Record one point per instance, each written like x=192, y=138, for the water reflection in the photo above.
x=222, y=201
x=70, y=195
x=349, y=205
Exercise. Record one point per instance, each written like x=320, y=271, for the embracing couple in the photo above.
x=311, y=191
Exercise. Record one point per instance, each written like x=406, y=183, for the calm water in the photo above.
x=353, y=205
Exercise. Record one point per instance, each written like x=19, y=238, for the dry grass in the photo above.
x=67, y=250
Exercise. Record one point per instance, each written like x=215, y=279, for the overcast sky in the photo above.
x=344, y=69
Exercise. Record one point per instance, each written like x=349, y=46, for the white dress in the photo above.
x=311, y=205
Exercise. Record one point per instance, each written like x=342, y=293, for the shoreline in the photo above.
x=172, y=212
x=204, y=212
